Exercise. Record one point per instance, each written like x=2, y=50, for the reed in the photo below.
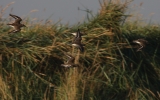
x=109, y=69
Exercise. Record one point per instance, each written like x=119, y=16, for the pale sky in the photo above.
x=67, y=10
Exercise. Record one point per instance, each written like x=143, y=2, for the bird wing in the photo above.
x=70, y=58
x=78, y=35
x=17, y=19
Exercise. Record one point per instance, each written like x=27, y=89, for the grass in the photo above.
x=109, y=69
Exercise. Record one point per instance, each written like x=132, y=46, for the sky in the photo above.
x=71, y=11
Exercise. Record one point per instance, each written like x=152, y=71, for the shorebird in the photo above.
x=141, y=42
x=77, y=41
x=70, y=62
x=16, y=24
x=77, y=35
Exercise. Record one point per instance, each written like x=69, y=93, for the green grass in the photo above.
x=109, y=69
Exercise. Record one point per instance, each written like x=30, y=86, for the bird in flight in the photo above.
x=141, y=42
x=77, y=40
x=16, y=24
x=70, y=62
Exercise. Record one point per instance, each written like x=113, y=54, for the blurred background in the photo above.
x=73, y=11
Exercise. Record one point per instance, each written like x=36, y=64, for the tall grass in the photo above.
x=109, y=69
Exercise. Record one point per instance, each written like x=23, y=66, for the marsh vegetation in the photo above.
x=109, y=68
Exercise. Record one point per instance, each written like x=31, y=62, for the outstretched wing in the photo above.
x=70, y=58
x=78, y=35
x=17, y=19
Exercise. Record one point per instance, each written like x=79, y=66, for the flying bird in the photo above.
x=16, y=24
x=141, y=42
x=70, y=62
x=77, y=35
x=77, y=41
